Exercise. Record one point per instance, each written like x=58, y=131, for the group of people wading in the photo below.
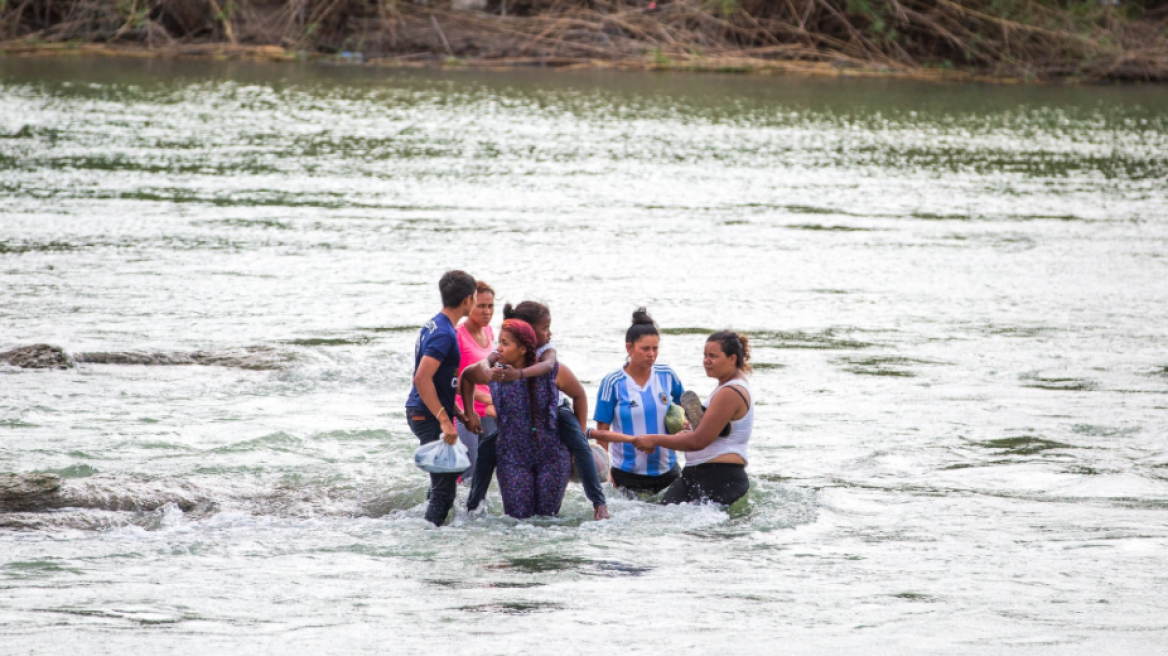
x=523, y=415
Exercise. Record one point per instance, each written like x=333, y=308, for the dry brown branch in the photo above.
x=1034, y=37
x=226, y=20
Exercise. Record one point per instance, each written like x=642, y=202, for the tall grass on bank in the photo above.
x=1088, y=39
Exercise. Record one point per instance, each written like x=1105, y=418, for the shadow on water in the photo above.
x=74, y=471
x=1058, y=384
x=827, y=228
x=822, y=340
x=1104, y=431
x=463, y=584
x=512, y=607
x=391, y=329
x=36, y=568
x=556, y=563
x=688, y=331
x=1024, y=445
x=895, y=366
x=1018, y=331
x=18, y=248
x=278, y=441
x=394, y=500
x=140, y=616
x=767, y=366
x=328, y=341
x=914, y=596
x=246, y=223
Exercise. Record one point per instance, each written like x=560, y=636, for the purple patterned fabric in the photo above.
x=533, y=464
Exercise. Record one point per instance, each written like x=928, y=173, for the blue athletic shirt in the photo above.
x=634, y=410
x=438, y=340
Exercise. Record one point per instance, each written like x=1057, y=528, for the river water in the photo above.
x=956, y=294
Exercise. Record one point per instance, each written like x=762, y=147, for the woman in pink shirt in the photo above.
x=476, y=341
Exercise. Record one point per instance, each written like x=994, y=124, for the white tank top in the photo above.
x=736, y=441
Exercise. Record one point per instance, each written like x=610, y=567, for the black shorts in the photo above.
x=720, y=482
x=643, y=483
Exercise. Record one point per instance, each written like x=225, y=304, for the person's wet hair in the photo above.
x=483, y=288
x=455, y=286
x=643, y=325
x=530, y=311
x=735, y=344
x=522, y=332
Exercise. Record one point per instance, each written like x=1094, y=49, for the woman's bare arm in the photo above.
x=725, y=405
x=603, y=433
x=570, y=385
x=510, y=374
x=476, y=374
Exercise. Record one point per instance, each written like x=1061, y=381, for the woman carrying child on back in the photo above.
x=571, y=416
x=533, y=465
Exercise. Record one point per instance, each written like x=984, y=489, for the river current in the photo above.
x=957, y=298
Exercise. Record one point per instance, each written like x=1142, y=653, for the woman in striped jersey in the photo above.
x=633, y=401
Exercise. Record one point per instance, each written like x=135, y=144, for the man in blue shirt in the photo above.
x=430, y=408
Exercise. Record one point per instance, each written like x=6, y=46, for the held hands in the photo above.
x=645, y=443
x=505, y=374
x=473, y=424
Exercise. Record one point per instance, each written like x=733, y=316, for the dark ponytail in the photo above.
x=734, y=344
x=643, y=325
x=530, y=311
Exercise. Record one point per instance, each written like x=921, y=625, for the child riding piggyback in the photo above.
x=570, y=417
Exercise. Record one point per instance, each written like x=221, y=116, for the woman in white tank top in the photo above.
x=715, y=467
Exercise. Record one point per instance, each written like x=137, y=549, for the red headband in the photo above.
x=522, y=330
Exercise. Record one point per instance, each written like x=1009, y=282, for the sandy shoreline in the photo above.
x=736, y=65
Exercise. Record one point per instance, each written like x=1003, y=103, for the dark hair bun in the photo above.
x=745, y=341
x=641, y=315
x=530, y=311
x=643, y=325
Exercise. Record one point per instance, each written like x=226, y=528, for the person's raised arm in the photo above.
x=424, y=382
x=546, y=363
x=723, y=407
x=570, y=385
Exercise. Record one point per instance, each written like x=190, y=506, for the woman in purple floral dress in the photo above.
x=533, y=463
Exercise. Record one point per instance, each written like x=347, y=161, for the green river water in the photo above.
x=957, y=297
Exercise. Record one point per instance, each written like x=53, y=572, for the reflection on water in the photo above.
x=954, y=293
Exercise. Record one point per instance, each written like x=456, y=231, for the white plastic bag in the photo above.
x=438, y=457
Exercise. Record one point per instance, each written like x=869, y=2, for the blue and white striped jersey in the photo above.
x=635, y=410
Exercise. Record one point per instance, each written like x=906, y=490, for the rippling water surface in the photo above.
x=956, y=294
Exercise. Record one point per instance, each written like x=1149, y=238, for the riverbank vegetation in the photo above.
x=1089, y=40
